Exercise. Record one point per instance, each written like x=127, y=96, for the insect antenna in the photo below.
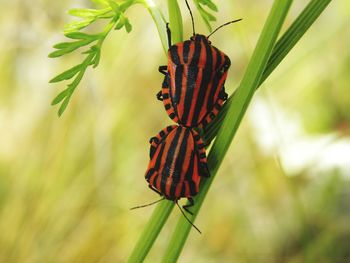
x=230, y=22
x=188, y=6
x=189, y=221
x=141, y=206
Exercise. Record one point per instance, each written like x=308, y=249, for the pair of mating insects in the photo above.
x=193, y=92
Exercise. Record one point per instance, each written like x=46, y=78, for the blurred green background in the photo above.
x=66, y=184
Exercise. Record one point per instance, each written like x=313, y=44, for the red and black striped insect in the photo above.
x=177, y=164
x=193, y=88
x=178, y=161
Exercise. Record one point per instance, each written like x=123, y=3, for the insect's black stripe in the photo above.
x=152, y=150
x=149, y=173
x=166, y=82
x=217, y=106
x=170, y=128
x=218, y=60
x=181, y=156
x=159, y=156
x=215, y=81
x=189, y=173
x=215, y=87
x=173, y=190
x=174, y=55
x=169, y=159
x=155, y=180
x=179, y=162
x=207, y=73
x=183, y=189
x=197, y=52
x=178, y=85
x=193, y=190
x=202, y=155
x=186, y=51
x=191, y=79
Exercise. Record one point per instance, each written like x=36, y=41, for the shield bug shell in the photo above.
x=177, y=163
x=193, y=88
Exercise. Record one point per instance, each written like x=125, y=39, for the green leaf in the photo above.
x=57, y=53
x=209, y=4
x=115, y=7
x=206, y=15
x=71, y=30
x=101, y=2
x=81, y=35
x=63, y=105
x=159, y=20
x=69, y=47
x=77, y=25
x=128, y=26
x=68, y=74
x=84, y=13
x=62, y=45
x=175, y=21
x=60, y=96
x=92, y=49
x=96, y=59
x=120, y=24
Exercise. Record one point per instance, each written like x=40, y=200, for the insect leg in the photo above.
x=155, y=190
x=185, y=207
x=201, y=154
x=217, y=107
x=167, y=101
x=223, y=95
x=165, y=85
x=163, y=69
x=154, y=141
x=160, y=96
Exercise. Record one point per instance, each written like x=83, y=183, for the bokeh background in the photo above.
x=66, y=184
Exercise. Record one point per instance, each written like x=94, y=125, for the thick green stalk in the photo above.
x=282, y=48
x=236, y=111
x=175, y=21
x=164, y=208
x=151, y=231
x=284, y=45
x=159, y=20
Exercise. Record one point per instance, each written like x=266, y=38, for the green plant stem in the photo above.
x=282, y=48
x=105, y=33
x=284, y=45
x=175, y=21
x=164, y=208
x=236, y=111
x=159, y=20
x=151, y=231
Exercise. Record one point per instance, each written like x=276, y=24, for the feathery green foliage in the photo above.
x=112, y=11
x=205, y=8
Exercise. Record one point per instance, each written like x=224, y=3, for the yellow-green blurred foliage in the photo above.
x=66, y=184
